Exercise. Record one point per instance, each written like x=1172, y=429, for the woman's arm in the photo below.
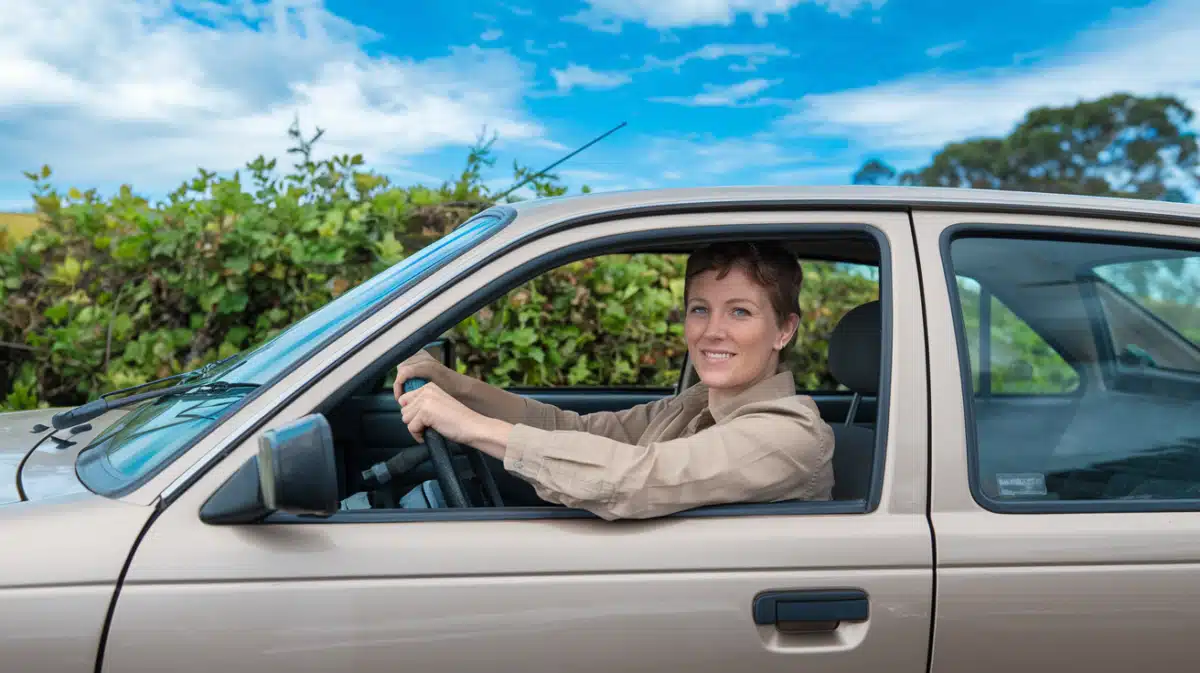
x=767, y=451
x=483, y=398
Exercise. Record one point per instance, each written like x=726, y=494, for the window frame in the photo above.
x=1098, y=324
x=606, y=244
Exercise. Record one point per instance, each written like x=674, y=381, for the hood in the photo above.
x=37, y=461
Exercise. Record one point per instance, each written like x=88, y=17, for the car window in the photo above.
x=1127, y=433
x=614, y=321
x=606, y=321
x=1018, y=359
x=829, y=291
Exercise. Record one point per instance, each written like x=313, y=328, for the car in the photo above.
x=1017, y=469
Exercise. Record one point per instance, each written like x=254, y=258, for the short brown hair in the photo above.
x=770, y=265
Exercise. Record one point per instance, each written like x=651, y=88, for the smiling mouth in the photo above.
x=717, y=355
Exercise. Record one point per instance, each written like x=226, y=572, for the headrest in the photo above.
x=854, y=349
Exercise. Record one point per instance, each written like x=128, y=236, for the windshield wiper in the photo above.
x=66, y=419
x=87, y=412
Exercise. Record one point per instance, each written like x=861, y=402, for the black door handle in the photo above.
x=811, y=610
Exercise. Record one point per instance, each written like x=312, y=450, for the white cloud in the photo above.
x=734, y=95
x=705, y=156
x=492, y=35
x=584, y=77
x=584, y=174
x=609, y=15
x=519, y=11
x=941, y=50
x=755, y=54
x=135, y=91
x=816, y=174
x=1148, y=52
x=557, y=45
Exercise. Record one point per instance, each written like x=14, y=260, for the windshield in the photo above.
x=153, y=434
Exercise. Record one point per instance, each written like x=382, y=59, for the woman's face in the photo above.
x=732, y=335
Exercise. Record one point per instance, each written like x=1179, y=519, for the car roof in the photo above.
x=546, y=211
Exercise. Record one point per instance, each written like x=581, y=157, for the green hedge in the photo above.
x=112, y=292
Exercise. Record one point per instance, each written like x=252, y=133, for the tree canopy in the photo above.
x=1119, y=145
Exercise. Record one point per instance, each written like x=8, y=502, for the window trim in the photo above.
x=582, y=250
x=1058, y=234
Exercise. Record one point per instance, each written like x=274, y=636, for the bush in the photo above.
x=617, y=320
x=114, y=292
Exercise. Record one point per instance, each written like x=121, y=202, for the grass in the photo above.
x=16, y=226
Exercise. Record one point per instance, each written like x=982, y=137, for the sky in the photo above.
x=145, y=92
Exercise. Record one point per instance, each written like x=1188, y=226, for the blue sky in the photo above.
x=714, y=91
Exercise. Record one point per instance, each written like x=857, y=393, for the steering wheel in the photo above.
x=440, y=452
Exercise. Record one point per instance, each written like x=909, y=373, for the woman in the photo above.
x=740, y=435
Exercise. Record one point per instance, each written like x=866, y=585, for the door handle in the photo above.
x=811, y=610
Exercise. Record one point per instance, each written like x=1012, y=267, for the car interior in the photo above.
x=373, y=445
x=1124, y=425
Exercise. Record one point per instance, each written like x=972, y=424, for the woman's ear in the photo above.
x=789, y=328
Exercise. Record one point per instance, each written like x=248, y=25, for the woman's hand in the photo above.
x=420, y=366
x=430, y=407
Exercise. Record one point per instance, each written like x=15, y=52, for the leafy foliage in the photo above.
x=616, y=320
x=113, y=292
x=1119, y=145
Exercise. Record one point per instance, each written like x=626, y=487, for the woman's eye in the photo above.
x=741, y=312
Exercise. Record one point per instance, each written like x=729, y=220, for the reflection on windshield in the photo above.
x=153, y=432
x=149, y=437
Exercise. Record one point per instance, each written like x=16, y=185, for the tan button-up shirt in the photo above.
x=767, y=444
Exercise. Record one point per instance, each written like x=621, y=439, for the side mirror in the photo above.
x=295, y=472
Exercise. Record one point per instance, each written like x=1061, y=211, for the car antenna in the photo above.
x=545, y=170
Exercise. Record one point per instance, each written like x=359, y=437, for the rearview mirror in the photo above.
x=294, y=473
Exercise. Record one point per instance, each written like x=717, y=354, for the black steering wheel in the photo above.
x=441, y=452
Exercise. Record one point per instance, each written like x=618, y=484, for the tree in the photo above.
x=1119, y=145
x=874, y=172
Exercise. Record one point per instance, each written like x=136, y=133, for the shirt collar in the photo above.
x=781, y=384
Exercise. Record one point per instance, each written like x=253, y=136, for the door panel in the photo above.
x=641, y=596
x=1051, y=582
x=372, y=593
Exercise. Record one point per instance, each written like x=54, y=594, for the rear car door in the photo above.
x=821, y=587
x=1066, y=443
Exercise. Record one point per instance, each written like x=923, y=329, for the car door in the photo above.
x=1066, y=464
x=819, y=587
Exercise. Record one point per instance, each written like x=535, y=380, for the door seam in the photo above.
x=933, y=569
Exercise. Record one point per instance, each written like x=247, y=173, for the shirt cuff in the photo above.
x=521, y=456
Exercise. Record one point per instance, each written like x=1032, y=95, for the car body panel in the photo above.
x=49, y=470
x=17, y=439
x=58, y=576
x=1102, y=592
x=372, y=595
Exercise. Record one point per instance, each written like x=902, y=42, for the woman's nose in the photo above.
x=714, y=328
